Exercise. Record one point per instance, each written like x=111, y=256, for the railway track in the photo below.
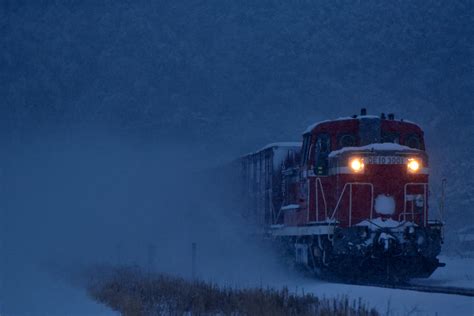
x=450, y=290
x=438, y=289
x=421, y=288
x=432, y=289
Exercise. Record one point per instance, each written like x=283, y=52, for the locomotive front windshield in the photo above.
x=391, y=137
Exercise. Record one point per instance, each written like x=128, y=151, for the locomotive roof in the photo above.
x=375, y=147
x=310, y=128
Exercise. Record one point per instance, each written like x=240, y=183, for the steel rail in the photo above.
x=450, y=290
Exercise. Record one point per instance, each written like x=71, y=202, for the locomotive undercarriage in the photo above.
x=361, y=253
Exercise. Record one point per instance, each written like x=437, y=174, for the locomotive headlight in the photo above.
x=356, y=164
x=413, y=165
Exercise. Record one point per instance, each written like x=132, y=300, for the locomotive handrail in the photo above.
x=339, y=201
x=425, y=199
x=350, y=184
x=443, y=197
x=319, y=184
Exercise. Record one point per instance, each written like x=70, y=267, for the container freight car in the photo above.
x=263, y=183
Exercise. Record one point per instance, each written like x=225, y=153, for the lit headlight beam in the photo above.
x=356, y=164
x=413, y=165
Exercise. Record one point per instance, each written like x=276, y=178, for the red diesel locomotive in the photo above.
x=352, y=198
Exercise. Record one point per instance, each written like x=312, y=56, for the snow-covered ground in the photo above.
x=28, y=290
x=56, y=297
x=396, y=302
x=458, y=272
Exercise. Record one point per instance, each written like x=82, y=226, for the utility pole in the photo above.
x=193, y=260
x=151, y=257
x=443, y=197
x=119, y=247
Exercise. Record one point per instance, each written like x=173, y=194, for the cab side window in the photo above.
x=322, y=150
x=306, y=145
x=413, y=141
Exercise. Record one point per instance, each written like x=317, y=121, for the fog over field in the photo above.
x=91, y=198
x=114, y=113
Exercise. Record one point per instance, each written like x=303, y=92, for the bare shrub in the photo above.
x=134, y=293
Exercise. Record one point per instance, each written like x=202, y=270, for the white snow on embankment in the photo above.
x=457, y=273
x=397, y=302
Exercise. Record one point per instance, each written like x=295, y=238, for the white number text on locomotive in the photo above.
x=385, y=160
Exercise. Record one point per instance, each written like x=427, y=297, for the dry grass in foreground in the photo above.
x=131, y=292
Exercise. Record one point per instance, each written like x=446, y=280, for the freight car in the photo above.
x=351, y=199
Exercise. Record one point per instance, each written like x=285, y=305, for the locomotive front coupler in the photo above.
x=381, y=242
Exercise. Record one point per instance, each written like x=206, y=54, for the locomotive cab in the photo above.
x=380, y=161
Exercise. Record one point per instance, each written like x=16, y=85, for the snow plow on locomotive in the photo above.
x=351, y=199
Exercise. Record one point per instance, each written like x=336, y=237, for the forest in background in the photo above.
x=230, y=77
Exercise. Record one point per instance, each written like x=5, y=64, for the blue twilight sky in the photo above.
x=109, y=108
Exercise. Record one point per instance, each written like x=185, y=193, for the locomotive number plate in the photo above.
x=385, y=160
